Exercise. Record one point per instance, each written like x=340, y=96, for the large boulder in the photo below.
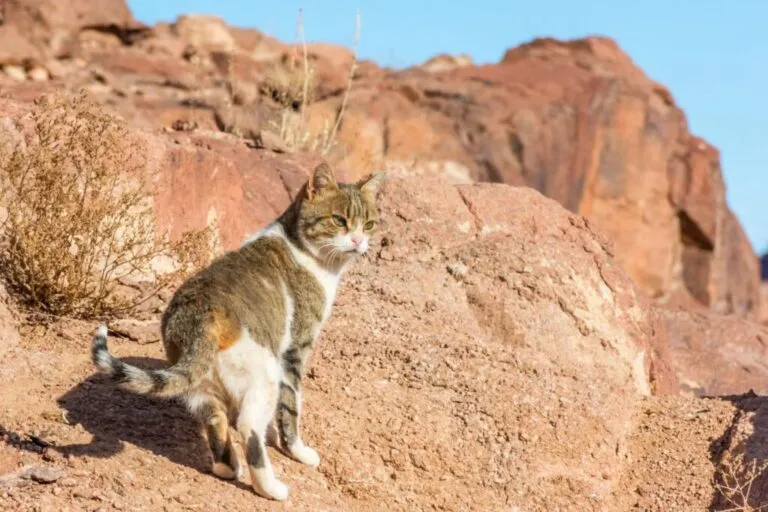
x=497, y=331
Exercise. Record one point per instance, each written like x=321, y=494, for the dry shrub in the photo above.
x=79, y=214
x=734, y=483
x=291, y=84
x=294, y=129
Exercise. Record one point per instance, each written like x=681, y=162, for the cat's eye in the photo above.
x=369, y=225
x=340, y=221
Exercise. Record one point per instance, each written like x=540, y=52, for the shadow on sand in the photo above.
x=114, y=416
x=746, y=437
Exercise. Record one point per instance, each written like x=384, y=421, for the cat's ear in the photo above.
x=323, y=178
x=370, y=184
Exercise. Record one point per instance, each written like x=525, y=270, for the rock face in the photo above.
x=714, y=354
x=582, y=124
x=224, y=184
x=38, y=29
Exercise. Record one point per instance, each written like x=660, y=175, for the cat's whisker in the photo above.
x=334, y=254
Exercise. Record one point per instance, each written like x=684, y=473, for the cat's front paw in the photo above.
x=305, y=454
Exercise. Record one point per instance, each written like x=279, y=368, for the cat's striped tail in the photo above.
x=166, y=382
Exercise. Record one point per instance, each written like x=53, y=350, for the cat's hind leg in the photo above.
x=213, y=416
x=256, y=413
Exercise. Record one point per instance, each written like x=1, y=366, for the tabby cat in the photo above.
x=238, y=334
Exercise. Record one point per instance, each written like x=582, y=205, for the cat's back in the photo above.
x=254, y=268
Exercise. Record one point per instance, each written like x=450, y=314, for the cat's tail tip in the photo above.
x=99, y=351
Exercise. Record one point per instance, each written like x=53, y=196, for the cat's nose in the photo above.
x=356, y=239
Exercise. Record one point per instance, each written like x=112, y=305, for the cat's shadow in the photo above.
x=114, y=417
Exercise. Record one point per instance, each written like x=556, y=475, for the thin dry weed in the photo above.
x=79, y=214
x=735, y=480
x=294, y=89
x=291, y=84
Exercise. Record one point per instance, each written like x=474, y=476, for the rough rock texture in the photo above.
x=676, y=451
x=209, y=181
x=716, y=354
x=37, y=29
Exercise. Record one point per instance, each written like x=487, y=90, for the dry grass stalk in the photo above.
x=291, y=84
x=79, y=214
x=293, y=129
x=352, y=70
x=735, y=480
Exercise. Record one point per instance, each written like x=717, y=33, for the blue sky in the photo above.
x=712, y=54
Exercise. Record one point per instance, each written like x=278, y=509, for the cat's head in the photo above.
x=337, y=220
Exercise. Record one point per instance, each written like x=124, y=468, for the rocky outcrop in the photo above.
x=582, y=124
x=35, y=30
x=576, y=120
x=467, y=304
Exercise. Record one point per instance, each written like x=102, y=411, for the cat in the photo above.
x=238, y=334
